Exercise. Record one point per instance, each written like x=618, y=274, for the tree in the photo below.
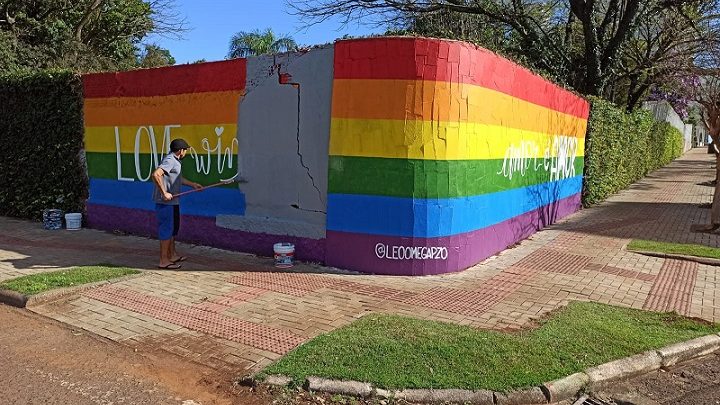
x=675, y=91
x=81, y=34
x=707, y=94
x=462, y=26
x=155, y=56
x=660, y=56
x=244, y=44
x=486, y=32
x=577, y=41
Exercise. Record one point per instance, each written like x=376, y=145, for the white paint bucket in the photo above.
x=284, y=253
x=73, y=221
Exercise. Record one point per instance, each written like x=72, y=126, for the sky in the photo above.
x=213, y=22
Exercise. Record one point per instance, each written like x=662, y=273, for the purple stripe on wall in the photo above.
x=348, y=250
x=360, y=251
x=200, y=230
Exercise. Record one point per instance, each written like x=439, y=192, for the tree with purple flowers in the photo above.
x=680, y=92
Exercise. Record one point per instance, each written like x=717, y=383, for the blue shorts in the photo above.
x=168, y=218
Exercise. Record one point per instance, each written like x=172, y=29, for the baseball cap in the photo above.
x=178, y=144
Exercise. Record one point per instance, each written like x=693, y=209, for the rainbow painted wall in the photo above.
x=443, y=154
x=414, y=156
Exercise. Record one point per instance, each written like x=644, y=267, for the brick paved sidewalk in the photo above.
x=234, y=312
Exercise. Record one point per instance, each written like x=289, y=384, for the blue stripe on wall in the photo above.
x=431, y=218
x=138, y=195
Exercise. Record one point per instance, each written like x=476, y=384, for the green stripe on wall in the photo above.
x=430, y=178
x=104, y=166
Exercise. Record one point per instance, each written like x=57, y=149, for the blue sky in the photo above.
x=213, y=22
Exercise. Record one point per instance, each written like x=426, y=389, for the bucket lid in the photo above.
x=283, y=248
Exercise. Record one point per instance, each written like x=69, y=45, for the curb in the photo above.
x=13, y=298
x=354, y=388
x=19, y=300
x=702, y=260
x=564, y=388
x=624, y=368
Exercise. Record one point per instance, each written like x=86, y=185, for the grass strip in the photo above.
x=41, y=282
x=674, y=248
x=395, y=352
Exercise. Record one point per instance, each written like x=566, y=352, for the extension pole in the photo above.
x=220, y=183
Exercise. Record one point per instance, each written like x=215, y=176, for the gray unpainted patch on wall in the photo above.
x=283, y=161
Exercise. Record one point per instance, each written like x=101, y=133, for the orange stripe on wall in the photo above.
x=431, y=101
x=197, y=108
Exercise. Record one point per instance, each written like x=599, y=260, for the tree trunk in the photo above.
x=86, y=18
x=715, y=211
x=713, y=124
x=568, y=31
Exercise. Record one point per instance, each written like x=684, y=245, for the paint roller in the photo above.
x=219, y=183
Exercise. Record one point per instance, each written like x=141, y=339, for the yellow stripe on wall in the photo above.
x=446, y=101
x=200, y=137
x=438, y=140
x=194, y=108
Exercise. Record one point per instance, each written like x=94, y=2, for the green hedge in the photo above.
x=41, y=133
x=623, y=147
x=671, y=144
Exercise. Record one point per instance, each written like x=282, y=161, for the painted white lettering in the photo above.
x=224, y=154
x=558, y=158
x=517, y=159
x=138, y=143
x=167, y=136
x=383, y=251
x=118, y=157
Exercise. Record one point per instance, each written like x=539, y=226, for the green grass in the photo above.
x=676, y=248
x=399, y=352
x=38, y=283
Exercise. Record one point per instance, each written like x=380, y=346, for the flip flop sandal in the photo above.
x=181, y=259
x=173, y=266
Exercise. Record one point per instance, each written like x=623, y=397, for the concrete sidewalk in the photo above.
x=235, y=312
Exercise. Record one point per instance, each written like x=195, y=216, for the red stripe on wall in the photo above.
x=165, y=81
x=451, y=61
